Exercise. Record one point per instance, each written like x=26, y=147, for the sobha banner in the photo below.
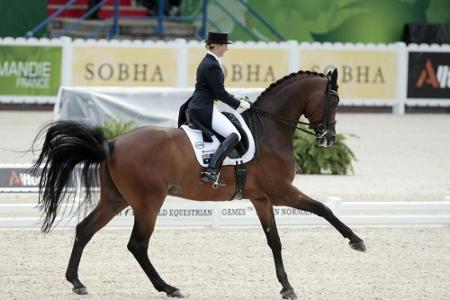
x=245, y=67
x=124, y=66
x=362, y=74
x=30, y=70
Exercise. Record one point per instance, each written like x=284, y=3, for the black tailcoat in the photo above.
x=209, y=87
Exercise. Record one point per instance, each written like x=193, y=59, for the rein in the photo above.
x=321, y=128
x=283, y=120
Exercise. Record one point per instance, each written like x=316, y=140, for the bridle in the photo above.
x=319, y=129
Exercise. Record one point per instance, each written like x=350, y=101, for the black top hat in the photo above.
x=217, y=38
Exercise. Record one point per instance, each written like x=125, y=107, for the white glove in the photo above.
x=244, y=103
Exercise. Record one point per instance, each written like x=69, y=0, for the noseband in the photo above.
x=320, y=128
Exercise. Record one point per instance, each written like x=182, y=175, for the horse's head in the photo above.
x=303, y=93
x=321, y=112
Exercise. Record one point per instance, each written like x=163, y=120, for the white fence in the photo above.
x=15, y=178
x=369, y=74
x=242, y=213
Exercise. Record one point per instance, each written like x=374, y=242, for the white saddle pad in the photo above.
x=204, y=151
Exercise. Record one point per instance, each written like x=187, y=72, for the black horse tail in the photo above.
x=66, y=145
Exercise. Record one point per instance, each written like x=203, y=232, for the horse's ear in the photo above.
x=333, y=75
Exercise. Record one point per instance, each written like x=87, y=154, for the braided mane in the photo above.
x=284, y=79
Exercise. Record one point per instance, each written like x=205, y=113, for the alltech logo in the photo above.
x=429, y=75
x=18, y=178
x=439, y=79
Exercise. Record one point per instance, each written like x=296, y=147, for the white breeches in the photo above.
x=222, y=125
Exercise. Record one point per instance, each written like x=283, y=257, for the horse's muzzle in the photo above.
x=326, y=139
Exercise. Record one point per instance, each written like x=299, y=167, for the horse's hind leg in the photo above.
x=296, y=199
x=144, y=224
x=264, y=209
x=110, y=204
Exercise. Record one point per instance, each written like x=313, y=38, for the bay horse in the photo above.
x=141, y=167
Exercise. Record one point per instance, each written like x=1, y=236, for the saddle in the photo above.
x=242, y=147
x=242, y=153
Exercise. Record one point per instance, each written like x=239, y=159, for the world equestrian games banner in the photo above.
x=429, y=75
x=124, y=66
x=245, y=67
x=30, y=70
x=362, y=74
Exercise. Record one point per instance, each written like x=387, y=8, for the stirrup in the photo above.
x=214, y=178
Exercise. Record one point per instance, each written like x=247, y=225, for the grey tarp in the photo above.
x=142, y=106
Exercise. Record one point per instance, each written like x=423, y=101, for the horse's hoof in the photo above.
x=80, y=290
x=175, y=294
x=288, y=294
x=358, y=246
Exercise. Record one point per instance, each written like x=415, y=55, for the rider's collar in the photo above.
x=215, y=56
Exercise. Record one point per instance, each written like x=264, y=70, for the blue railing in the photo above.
x=44, y=23
x=160, y=19
x=253, y=12
x=263, y=21
x=114, y=27
x=114, y=31
x=202, y=32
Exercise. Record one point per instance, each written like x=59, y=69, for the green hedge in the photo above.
x=311, y=158
x=115, y=127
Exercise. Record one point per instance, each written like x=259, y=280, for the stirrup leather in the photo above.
x=212, y=173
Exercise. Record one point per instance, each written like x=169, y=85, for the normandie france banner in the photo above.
x=30, y=70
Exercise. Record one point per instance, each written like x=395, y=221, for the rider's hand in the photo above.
x=244, y=103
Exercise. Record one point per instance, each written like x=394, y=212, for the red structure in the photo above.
x=127, y=8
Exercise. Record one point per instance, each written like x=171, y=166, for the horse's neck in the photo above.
x=287, y=103
x=292, y=97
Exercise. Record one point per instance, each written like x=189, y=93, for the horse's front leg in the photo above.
x=292, y=197
x=264, y=210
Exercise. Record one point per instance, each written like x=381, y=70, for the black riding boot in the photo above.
x=212, y=172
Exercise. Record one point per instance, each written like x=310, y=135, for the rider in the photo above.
x=202, y=110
